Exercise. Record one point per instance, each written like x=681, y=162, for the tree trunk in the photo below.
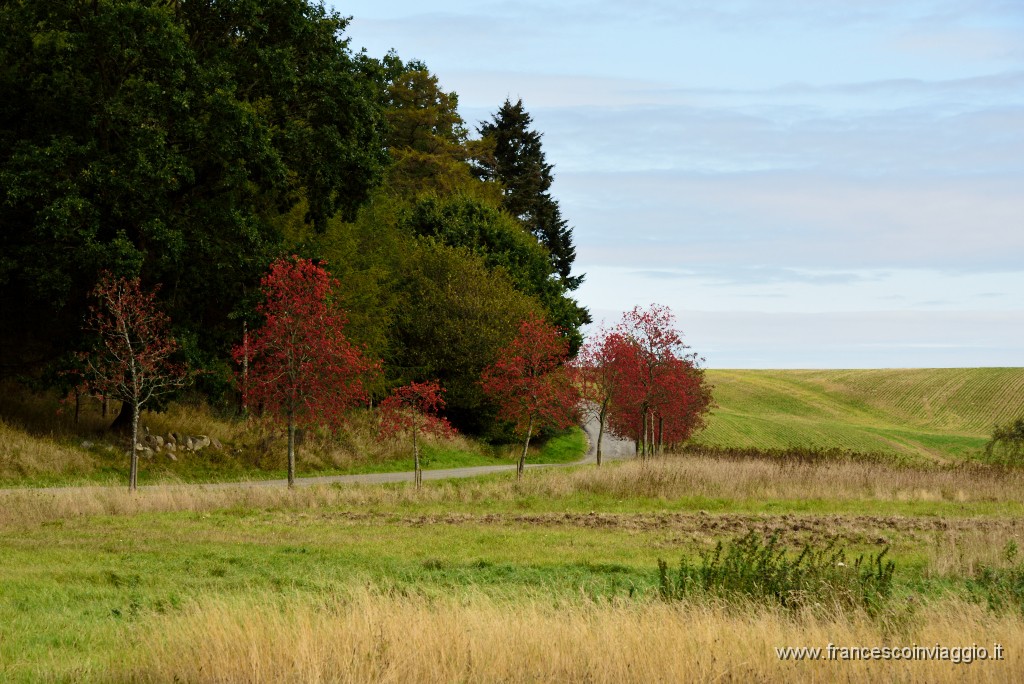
x=522, y=457
x=600, y=428
x=123, y=420
x=645, y=452
x=133, y=470
x=417, y=473
x=661, y=435
x=245, y=368
x=78, y=405
x=291, y=451
x=640, y=438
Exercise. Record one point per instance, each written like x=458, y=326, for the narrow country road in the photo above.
x=613, y=448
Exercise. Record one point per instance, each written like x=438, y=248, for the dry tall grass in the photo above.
x=668, y=479
x=22, y=455
x=762, y=479
x=380, y=638
x=39, y=437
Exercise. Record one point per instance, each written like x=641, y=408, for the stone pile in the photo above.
x=174, y=443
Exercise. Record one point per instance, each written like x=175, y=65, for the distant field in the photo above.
x=934, y=414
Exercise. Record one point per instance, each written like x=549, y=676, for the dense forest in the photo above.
x=192, y=142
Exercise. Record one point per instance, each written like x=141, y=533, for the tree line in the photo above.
x=188, y=149
x=192, y=143
x=299, y=369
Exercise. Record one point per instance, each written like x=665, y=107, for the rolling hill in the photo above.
x=936, y=414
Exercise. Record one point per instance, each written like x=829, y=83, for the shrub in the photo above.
x=762, y=569
x=1001, y=589
x=1006, y=447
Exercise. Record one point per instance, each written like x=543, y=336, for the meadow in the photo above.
x=555, y=578
x=927, y=415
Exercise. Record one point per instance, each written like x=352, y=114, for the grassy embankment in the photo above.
x=41, y=447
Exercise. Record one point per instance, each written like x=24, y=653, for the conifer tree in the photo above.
x=515, y=159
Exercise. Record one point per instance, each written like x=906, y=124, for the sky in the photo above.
x=806, y=183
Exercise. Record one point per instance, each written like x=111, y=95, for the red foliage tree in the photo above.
x=301, y=368
x=531, y=384
x=659, y=384
x=413, y=409
x=681, y=401
x=599, y=370
x=132, y=361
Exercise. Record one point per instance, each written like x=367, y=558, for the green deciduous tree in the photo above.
x=143, y=136
x=501, y=241
x=455, y=316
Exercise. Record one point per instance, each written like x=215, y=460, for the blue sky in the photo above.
x=807, y=183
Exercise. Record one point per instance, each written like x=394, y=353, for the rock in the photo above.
x=86, y=444
x=170, y=455
x=202, y=441
x=170, y=438
x=170, y=447
x=215, y=443
x=189, y=443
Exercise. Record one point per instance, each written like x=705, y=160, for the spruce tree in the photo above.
x=516, y=161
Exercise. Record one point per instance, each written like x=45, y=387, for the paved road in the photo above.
x=613, y=448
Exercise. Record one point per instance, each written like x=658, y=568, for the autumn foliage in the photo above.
x=412, y=409
x=600, y=369
x=531, y=384
x=644, y=382
x=302, y=370
x=132, y=360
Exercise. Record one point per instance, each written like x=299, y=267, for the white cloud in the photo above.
x=792, y=157
x=896, y=339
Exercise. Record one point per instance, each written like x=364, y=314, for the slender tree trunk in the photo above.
x=133, y=470
x=600, y=428
x=639, y=438
x=522, y=457
x=643, y=449
x=78, y=405
x=291, y=451
x=661, y=435
x=245, y=367
x=417, y=473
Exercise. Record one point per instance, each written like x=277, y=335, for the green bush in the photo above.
x=1007, y=444
x=1001, y=588
x=762, y=569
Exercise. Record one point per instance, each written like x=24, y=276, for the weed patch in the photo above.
x=762, y=569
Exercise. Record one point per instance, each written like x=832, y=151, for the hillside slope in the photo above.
x=930, y=413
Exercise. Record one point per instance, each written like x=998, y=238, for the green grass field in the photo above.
x=928, y=414
x=96, y=583
x=387, y=583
